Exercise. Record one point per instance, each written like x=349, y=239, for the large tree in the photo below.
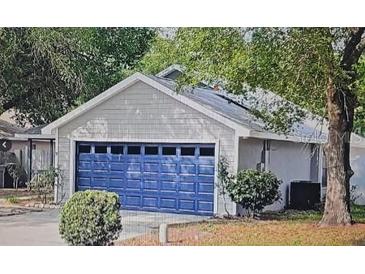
x=44, y=72
x=318, y=69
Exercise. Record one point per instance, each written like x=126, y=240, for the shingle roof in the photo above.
x=8, y=130
x=239, y=109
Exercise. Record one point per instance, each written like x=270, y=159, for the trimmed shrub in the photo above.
x=91, y=218
x=254, y=190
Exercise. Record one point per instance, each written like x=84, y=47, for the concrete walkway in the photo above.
x=41, y=228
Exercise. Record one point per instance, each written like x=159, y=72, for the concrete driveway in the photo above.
x=41, y=228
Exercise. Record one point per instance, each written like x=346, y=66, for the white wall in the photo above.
x=249, y=153
x=142, y=113
x=358, y=166
x=41, y=155
x=289, y=161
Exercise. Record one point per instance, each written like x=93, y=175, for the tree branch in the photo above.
x=353, y=49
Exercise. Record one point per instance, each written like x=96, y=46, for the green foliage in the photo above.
x=355, y=194
x=91, y=218
x=295, y=63
x=44, y=182
x=359, y=123
x=17, y=172
x=224, y=180
x=254, y=190
x=251, y=189
x=108, y=53
x=45, y=72
x=12, y=199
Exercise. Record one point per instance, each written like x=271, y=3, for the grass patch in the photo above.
x=12, y=199
x=289, y=227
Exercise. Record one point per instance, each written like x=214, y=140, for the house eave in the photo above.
x=129, y=82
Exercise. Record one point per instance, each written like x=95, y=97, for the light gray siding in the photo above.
x=358, y=179
x=142, y=113
x=289, y=161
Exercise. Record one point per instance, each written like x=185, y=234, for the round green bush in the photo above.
x=91, y=218
x=254, y=190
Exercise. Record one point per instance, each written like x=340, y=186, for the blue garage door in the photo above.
x=177, y=178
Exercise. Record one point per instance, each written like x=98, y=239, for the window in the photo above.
x=206, y=151
x=187, y=151
x=116, y=150
x=34, y=146
x=151, y=150
x=100, y=149
x=169, y=150
x=134, y=150
x=84, y=149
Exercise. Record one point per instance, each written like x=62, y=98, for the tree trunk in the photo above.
x=340, y=109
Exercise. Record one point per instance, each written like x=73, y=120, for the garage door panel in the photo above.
x=134, y=184
x=117, y=158
x=206, y=161
x=205, y=206
x=150, y=202
x=115, y=166
x=205, y=188
x=85, y=165
x=150, y=185
x=84, y=181
x=169, y=178
x=101, y=157
x=136, y=166
x=133, y=200
x=188, y=160
x=187, y=187
x=117, y=183
x=168, y=186
x=100, y=182
x=206, y=170
x=85, y=173
x=169, y=168
x=187, y=169
x=169, y=203
x=187, y=204
x=187, y=178
x=150, y=167
x=98, y=165
x=133, y=175
x=205, y=178
x=85, y=157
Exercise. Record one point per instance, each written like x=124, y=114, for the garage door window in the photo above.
x=134, y=150
x=84, y=149
x=206, y=151
x=151, y=150
x=116, y=150
x=169, y=150
x=100, y=149
x=187, y=151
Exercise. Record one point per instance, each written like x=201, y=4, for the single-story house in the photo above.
x=33, y=151
x=159, y=149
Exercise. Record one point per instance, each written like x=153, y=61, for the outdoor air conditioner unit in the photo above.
x=304, y=195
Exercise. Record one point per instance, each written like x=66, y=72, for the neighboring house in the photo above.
x=159, y=149
x=32, y=150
